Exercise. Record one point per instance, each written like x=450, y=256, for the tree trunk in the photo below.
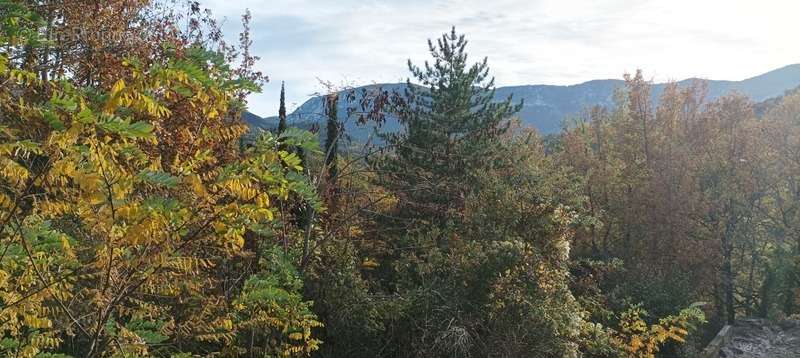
x=727, y=280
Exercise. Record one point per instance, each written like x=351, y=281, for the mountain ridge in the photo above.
x=546, y=106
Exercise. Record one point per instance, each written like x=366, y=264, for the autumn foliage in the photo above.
x=140, y=216
x=134, y=221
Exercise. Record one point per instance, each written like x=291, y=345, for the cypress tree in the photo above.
x=452, y=132
x=331, y=148
x=282, y=111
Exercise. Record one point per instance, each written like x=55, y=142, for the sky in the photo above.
x=561, y=42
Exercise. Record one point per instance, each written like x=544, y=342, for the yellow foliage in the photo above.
x=111, y=239
x=639, y=340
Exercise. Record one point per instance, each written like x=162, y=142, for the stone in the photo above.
x=758, y=338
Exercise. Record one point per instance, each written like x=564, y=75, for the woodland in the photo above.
x=140, y=216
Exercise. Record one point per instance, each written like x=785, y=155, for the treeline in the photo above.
x=457, y=236
x=140, y=217
x=697, y=199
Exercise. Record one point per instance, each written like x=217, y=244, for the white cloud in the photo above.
x=527, y=41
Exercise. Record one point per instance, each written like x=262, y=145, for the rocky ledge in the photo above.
x=758, y=338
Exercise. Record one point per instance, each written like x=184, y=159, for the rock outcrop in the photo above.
x=757, y=338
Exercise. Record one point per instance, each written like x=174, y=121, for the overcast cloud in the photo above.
x=527, y=41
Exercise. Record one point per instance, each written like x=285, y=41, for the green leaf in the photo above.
x=160, y=204
x=183, y=91
x=111, y=327
x=53, y=120
x=63, y=102
x=126, y=129
x=140, y=129
x=151, y=337
x=300, y=138
x=159, y=178
x=86, y=116
x=28, y=146
x=147, y=330
x=8, y=343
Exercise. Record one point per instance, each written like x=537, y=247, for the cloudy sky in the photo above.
x=355, y=42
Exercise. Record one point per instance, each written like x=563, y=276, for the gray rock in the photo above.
x=757, y=338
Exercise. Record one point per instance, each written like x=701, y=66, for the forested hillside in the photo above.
x=141, y=216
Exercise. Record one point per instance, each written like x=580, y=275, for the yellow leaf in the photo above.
x=117, y=87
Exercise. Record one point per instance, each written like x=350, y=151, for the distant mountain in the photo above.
x=546, y=106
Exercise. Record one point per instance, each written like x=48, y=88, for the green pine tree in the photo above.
x=452, y=132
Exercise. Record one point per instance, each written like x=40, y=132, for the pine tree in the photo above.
x=452, y=131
